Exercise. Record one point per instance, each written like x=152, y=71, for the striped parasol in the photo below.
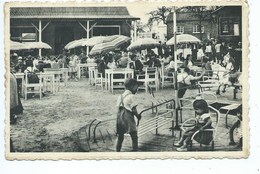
x=17, y=46
x=111, y=44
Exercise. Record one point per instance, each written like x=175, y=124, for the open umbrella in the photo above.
x=94, y=41
x=114, y=43
x=143, y=43
x=75, y=43
x=183, y=38
x=17, y=46
x=37, y=45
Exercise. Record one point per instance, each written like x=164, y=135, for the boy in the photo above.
x=126, y=104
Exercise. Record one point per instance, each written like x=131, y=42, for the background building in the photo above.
x=59, y=25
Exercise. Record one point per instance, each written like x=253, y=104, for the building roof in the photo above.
x=231, y=9
x=185, y=16
x=70, y=13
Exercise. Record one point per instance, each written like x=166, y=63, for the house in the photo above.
x=189, y=23
x=59, y=25
x=229, y=23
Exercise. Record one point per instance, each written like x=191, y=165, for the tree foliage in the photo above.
x=159, y=15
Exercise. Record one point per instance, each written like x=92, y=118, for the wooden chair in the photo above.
x=150, y=78
x=33, y=88
x=99, y=79
x=166, y=78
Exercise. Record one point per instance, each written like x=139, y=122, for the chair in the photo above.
x=199, y=136
x=150, y=78
x=91, y=71
x=99, y=79
x=32, y=88
x=209, y=82
x=166, y=78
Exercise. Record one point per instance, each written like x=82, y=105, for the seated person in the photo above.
x=188, y=62
x=136, y=64
x=203, y=121
x=237, y=124
x=153, y=61
x=123, y=61
x=184, y=80
x=170, y=67
x=207, y=67
x=20, y=67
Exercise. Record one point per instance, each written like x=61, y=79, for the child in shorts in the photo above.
x=126, y=105
x=203, y=121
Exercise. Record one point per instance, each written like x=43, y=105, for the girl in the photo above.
x=125, y=116
x=203, y=121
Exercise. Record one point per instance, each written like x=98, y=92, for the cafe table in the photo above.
x=110, y=73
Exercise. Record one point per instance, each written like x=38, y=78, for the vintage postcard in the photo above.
x=127, y=80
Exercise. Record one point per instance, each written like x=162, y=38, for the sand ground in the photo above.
x=60, y=122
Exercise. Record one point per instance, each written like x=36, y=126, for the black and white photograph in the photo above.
x=126, y=77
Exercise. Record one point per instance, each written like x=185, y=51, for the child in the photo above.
x=237, y=124
x=125, y=117
x=203, y=121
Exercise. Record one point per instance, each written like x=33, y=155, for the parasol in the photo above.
x=143, y=43
x=37, y=45
x=183, y=38
x=75, y=43
x=17, y=46
x=111, y=43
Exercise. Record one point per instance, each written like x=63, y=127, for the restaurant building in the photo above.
x=57, y=26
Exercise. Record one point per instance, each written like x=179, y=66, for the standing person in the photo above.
x=208, y=51
x=238, y=59
x=200, y=54
x=218, y=52
x=203, y=121
x=126, y=105
x=194, y=50
x=15, y=102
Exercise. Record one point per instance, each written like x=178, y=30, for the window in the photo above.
x=229, y=26
x=180, y=30
x=29, y=36
x=197, y=29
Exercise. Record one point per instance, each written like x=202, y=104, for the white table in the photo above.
x=109, y=74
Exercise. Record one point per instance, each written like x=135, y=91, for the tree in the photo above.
x=200, y=12
x=158, y=15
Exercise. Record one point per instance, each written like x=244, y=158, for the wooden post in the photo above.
x=40, y=36
x=134, y=30
x=87, y=37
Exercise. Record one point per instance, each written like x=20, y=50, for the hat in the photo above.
x=20, y=58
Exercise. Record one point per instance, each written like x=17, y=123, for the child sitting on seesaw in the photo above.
x=203, y=121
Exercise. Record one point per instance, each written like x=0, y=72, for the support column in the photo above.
x=40, y=36
x=176, y=72
x=134, y=30
x=87, y=37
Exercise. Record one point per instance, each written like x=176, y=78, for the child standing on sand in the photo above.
x=126, y=105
